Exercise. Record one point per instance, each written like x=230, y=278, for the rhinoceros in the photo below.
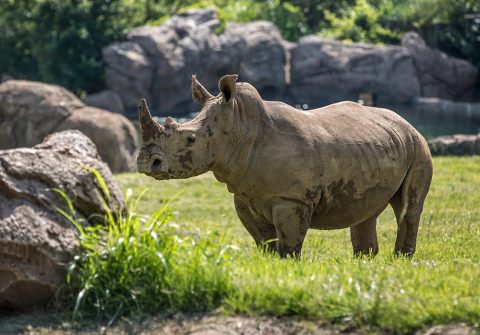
x=334, y=167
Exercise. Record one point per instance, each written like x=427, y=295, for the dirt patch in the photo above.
x=37, y=323
x=212, y=324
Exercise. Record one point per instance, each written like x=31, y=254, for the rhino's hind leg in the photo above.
x=263, y=233
x=408, y=203
x=364, y=237
x=406, y=241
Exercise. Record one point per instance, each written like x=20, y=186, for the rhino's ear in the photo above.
x=227, y=86
x=199, y=93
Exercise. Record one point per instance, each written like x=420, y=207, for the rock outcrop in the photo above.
x=325, y=71
x=157, y=62
x=440, y=75
x=29, y=111
x=108, y=100
x=458, y=145
x=36, y=242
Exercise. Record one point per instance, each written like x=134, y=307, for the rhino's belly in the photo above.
x=343, y=205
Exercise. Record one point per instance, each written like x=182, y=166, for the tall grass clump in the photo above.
x=143, y=263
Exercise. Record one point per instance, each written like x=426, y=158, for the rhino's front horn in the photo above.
x=148, y=125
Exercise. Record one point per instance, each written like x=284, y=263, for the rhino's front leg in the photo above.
x=291, y=220
x=263, y=232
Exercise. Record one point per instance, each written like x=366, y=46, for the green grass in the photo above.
x=440, y=285
x=142, y=263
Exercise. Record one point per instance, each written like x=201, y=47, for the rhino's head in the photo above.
x=182, y=150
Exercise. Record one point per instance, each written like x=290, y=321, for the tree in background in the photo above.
x=60, y=41
x=288, y=17
x=360, y=22
x=16, y=25
x=452, y=26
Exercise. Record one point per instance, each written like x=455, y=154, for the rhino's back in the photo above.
x=347, y=158
x=341, y=133
x=341, y=123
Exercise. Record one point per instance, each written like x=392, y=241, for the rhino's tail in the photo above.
x=404, y=195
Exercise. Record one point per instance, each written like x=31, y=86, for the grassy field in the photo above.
x=440, y=285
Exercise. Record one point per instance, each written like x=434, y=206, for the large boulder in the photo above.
x=458, y=145
x=108, y=100
x=29, y=111
x=36, y=242
x=129, y=72
x=157, y=62
x=440, y=75
x=327, y=71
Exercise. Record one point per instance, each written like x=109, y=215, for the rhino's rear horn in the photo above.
x=199, y=93
x=169, y=120
x=149, y=126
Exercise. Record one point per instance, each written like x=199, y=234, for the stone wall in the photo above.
x=157, y=63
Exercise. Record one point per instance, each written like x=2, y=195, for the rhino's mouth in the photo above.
x=159, y=175
x=156, y=166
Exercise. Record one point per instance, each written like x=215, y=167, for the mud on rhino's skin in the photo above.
x=290, y=170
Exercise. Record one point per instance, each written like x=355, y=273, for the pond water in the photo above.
x=428, y=124
x=433, y=125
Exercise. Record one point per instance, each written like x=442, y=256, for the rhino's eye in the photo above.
x=190, y=139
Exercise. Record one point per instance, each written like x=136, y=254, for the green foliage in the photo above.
x=288, y=17
x=139, y=264
x=450, y=25
x=360, y=23
x=59, y=41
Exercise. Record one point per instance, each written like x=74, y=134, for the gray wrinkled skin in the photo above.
x=290, y=170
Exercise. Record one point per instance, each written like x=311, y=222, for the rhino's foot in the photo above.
x=269, y=246
x=365, y=253
x=294, y=253
x=406, y=241
x=405, y=252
